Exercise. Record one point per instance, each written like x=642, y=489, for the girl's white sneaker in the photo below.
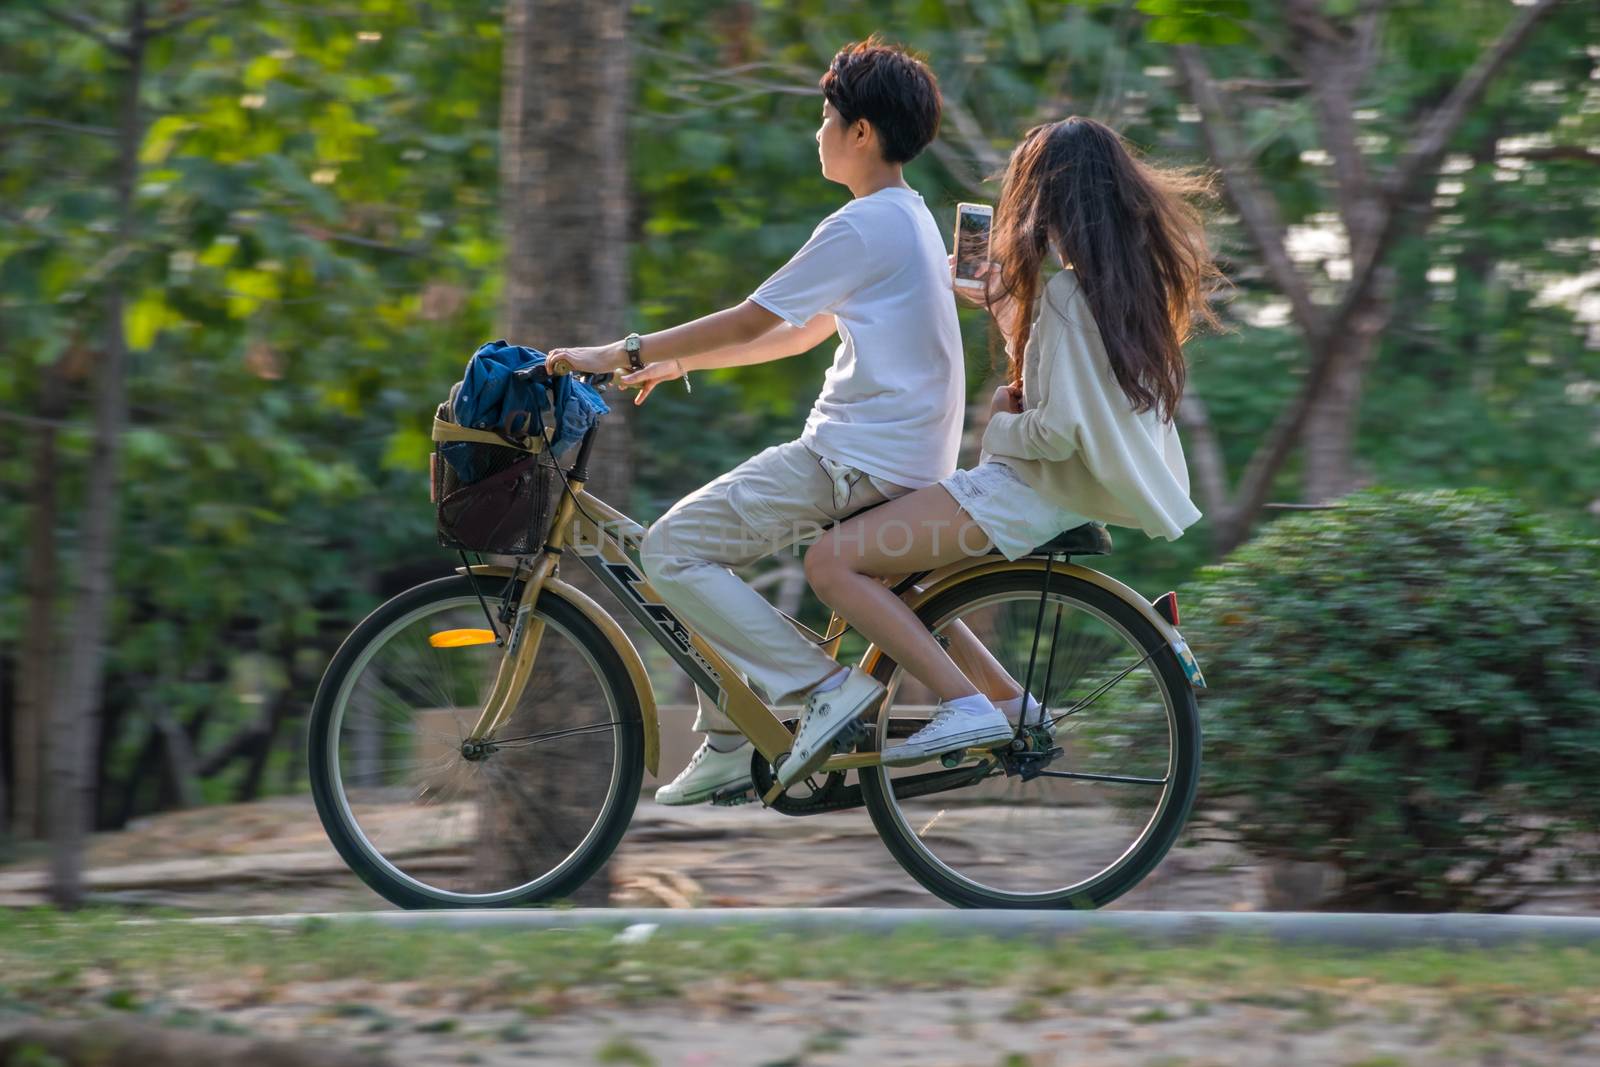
x=951, y=729
x=1012, y=710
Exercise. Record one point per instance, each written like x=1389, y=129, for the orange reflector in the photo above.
x=461, y=638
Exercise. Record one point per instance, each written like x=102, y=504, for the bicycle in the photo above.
x=458, y=765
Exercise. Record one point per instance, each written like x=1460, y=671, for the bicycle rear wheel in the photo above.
x=1126, y=726
x=429, y=824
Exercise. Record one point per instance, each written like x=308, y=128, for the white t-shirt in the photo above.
x=892, y=403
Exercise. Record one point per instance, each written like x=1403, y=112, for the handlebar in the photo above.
x=540, y=372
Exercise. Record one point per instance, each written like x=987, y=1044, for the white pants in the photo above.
x=766, y=504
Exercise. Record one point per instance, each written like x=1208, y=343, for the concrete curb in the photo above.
x=1339, y=930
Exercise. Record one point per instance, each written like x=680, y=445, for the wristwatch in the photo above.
x=630, y=345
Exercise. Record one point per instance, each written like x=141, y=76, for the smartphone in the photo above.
x=972, y=243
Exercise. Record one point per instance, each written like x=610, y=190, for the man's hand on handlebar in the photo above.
x=595, y=359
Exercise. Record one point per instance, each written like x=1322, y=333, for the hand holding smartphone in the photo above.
x=972, y=244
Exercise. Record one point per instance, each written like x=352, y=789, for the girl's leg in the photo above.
x=970, y=654
x=922, y=530
x=979, y=664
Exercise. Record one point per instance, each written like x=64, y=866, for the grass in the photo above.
x=47, y=956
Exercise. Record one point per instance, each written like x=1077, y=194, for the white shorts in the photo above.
x=1016, y=518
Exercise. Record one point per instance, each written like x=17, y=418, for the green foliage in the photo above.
x=318, y=250
x=312, y=262
x=1406, y=688
x=1196, y=21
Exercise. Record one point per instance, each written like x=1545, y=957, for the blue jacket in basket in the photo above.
x=490, y=397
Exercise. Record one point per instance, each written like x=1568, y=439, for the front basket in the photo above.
x=493, y=495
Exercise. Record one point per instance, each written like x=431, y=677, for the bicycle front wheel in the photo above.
x=429, y=822
x=1109, y=803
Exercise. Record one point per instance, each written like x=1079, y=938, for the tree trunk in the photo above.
x=564, y=191
x=36, y=672
x=1328, y=437
x=1329, y=433
x=72, y=727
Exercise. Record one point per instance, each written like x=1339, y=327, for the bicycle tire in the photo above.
x=1184, y=766
x=619, y=804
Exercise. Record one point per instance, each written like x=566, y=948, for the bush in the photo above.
x=1406, y=688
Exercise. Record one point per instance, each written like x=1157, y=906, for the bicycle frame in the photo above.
x=601, y=536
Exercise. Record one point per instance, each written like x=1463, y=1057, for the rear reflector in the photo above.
x=1167, y=605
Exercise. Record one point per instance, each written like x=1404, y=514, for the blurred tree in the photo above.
x=74, y=711
x=292, y=319
x=1323, y=57
x=564, y=191
x=36, y=669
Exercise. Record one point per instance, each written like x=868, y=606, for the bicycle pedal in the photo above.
x=729, y=798
x=851, y=736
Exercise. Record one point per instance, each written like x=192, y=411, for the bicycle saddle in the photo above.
x=1090, y=539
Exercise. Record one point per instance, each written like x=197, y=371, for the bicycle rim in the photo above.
x=438, y=827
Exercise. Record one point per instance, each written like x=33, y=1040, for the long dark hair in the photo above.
x=1131, y=231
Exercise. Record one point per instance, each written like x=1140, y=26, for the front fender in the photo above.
x=618, y=638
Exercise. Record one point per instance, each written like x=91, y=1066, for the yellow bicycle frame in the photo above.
x=600, y=537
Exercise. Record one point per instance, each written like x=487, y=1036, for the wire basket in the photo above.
x=492, y=495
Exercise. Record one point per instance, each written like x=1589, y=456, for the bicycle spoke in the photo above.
x=1087, y=777
x=1105, y=688
x=530, y=739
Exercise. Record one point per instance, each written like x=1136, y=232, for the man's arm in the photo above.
x=833, y=263
x=780, y=342
x=728, y=328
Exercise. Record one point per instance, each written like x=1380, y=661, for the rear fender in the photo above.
x=948, y=578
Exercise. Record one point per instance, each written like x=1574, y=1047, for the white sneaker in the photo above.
x=709, y=771
x=826, y=716
x=1012, y=710
x=951, y=729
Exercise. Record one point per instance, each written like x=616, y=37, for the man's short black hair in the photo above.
x=892, y=89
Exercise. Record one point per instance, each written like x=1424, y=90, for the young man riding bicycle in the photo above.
x=888, y=419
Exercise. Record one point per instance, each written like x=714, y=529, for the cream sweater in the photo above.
x=1077, y=441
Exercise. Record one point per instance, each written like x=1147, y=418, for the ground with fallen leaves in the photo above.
x=772, y=1000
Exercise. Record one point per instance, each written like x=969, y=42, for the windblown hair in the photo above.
x=892, y=89
x=1133, y=234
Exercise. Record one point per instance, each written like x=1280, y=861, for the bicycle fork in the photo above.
x=522, y=648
